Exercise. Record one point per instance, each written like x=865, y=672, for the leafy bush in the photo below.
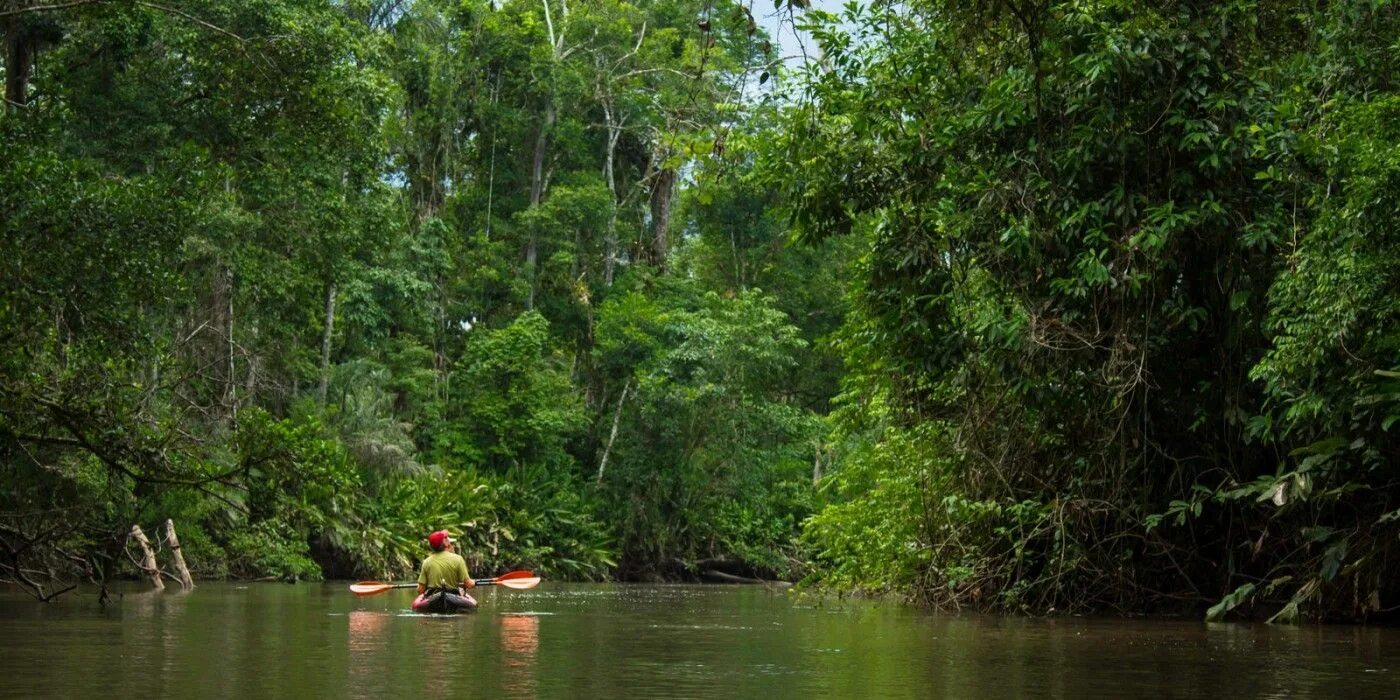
x=267, y=549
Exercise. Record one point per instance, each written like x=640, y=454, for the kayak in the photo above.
x=443, y=603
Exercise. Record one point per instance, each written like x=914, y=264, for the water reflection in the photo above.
x=444, y=647
x=172, y=609
x=368, y=646
x=652, y=642
x=366, y=632
x=153, y=626
x=520, y=639
x=520, y=634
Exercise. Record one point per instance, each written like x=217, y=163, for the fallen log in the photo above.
x=722, y=577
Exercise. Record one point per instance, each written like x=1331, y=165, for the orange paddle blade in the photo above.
x=519, y=583
x=364, y=588
x=509, y=576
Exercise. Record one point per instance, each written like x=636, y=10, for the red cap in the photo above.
x=439, y=538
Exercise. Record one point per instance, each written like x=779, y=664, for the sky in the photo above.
x=779, y=25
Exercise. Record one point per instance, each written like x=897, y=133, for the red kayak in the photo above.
x=444, y=603
x=452, y=601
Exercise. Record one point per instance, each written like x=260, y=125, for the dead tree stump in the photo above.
x=148, y=557
x=186, y=581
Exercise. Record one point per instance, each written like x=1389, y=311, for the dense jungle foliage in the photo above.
x=314, y=278
x=1023, y=305
x=1124, y=327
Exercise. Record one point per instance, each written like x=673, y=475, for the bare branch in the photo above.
x=641, y=35
x=192, y=18
x=143, y=3
x=49, y=8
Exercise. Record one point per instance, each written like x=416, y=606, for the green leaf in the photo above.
x=1229, y=602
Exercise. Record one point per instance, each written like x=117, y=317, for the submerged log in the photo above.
x=148, y=558
x=731, y=578
x=186, y=581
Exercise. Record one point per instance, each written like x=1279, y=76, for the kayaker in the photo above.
x=442, y=578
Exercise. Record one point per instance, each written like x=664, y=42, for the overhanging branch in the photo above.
x=55, y=7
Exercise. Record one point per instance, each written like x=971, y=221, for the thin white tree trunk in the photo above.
x=326, y=345
x=537, y=175
x=609, y=174
x=491, y=176
x=617, y=418
x=232, y=375
x=537, y=182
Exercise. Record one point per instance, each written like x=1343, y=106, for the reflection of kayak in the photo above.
x=444, y=602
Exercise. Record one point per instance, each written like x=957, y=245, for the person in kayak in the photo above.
x=442, y=578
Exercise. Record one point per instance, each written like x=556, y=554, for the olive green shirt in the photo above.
x=443, y=570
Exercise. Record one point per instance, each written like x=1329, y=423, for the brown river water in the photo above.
x=650, y=641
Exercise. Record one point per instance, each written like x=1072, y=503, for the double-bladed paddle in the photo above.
x=519, y=580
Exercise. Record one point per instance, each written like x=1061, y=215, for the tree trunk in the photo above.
x=491, y=171
x=231, y=383
x=722, y=577
x=662, y=195
x=541, y=148
x=148, y=558
x=609, y=175
x=537, y=194
x=186, y=581
x=212, y=344
x=19, y=64
x=537, y=175
x=612, y=437
x=426, y=152
x=326, y=345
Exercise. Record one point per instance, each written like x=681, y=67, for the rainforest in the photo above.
x=1027, y=306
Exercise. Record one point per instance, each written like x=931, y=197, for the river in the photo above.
x=646, y=641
